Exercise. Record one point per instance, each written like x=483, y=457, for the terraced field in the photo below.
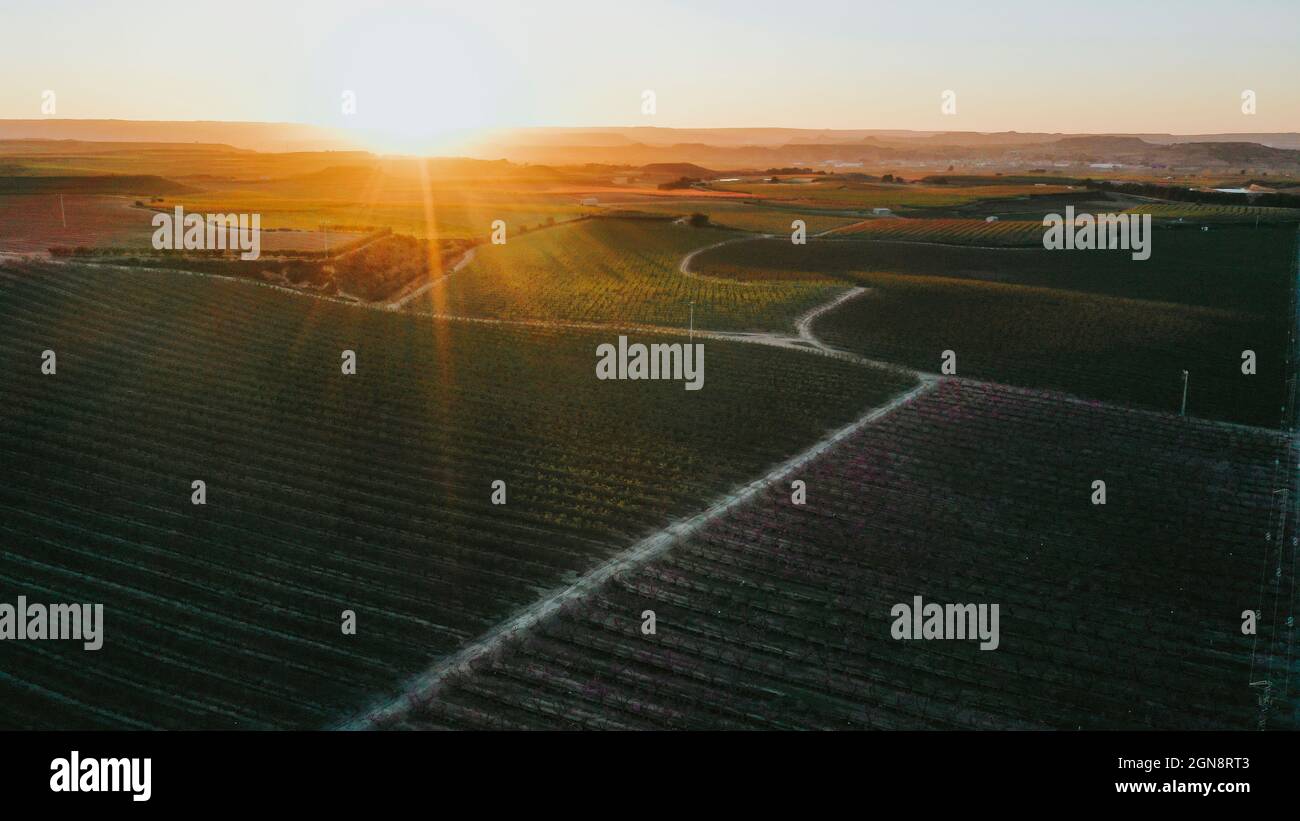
x=328, y=492
x=615, y=270
x=1123, y=615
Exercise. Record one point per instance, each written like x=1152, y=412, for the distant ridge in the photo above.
x=252, y=136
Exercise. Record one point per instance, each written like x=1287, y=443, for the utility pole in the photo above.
x=62, y=213
x=1183, y=412
x=692, y=338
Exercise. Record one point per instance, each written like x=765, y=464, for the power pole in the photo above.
x=62, y=213
x=692, y=338
x=1183, y=411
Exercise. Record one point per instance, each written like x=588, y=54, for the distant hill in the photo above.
x=678, y=169
x=254, y=136
x=142, y=184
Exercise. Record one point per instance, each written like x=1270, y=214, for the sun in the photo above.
x=419, y=82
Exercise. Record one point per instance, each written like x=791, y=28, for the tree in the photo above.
x=699, y=220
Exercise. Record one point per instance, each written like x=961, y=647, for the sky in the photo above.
x=420, y=69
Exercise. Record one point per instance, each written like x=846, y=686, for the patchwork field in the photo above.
x=327, y=492
x=615, y=270
x=777, y=616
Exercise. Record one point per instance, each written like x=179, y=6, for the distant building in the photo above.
x=589, y=201
x=990, y=219
x=881, y=212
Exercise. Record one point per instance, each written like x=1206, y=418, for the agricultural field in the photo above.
x=1230, y=267
x=283, y=240
x=615, y=270
x=1034, y=208
x=947, y=231
x=746, y=216
x=1120, y=350
x=327, y=492
x=365, y=268
x=33, y=223
x=1216, y=213
x=777, y=616
x=439, y=218
x=866, y=195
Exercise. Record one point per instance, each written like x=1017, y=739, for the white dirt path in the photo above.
x=427, y=685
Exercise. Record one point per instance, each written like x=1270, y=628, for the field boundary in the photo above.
x=427, y=685
x=685, y=266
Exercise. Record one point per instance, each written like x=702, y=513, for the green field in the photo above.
x=615, y=270
x=1231, y=267
x=1121, y=350
x=1006, y=233
x=328, y=492
x=1217, y=213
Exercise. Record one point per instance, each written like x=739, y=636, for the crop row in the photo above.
x=1233, y=213
x=1118, y=615
x=1119, y=350
x=328, y=492
x=956, y=231
x=615, y=270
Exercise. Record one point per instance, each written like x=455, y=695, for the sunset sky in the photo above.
x=420, y=69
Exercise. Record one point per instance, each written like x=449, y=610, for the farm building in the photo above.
x=991, y=219
x=881, y=212
x=589, y=201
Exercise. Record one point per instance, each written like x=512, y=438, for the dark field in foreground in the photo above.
x=328, y=492
x=1123, y=615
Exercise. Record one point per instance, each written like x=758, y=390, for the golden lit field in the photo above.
x=444, y=218
x=615, y=270
x=744, y=216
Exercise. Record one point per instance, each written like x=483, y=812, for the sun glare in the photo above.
x=417, y=84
